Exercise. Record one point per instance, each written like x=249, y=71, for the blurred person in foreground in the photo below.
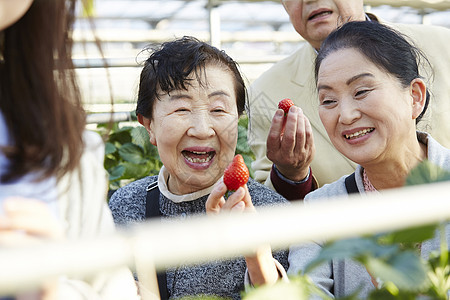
x=371, y=96
x=52, y=182
x=286, y=164
x=190, y=98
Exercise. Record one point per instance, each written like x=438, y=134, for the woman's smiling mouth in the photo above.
x=198, y=157
x=319, y=13
x=358, y=134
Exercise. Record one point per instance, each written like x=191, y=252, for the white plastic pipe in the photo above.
x=203, y=238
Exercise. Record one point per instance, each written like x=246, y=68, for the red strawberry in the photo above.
x=236, y=174
x=285, y=104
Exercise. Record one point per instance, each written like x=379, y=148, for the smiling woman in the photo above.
x=371, y=96
x=190, y=98
x=370, y=100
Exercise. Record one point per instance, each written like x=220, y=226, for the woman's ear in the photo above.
x=147, y=123
x=418, y=90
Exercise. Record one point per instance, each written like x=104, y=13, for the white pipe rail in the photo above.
x=203, y=238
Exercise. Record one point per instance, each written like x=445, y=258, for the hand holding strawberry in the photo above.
x=292, y=156
x=236, y=174
x=285, y=105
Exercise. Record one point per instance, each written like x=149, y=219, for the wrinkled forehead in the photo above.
x=200, y=76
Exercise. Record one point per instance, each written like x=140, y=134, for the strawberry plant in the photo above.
x=129, y=156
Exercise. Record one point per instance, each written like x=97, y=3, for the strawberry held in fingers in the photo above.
x=285, y=104
x=236, y=174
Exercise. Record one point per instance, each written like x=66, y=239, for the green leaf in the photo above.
x=243, y=121
x=356, y=248
x=113, y=186
x=384, y=294
x=132, y=153
x=426, y=172
x=109, y=148
x=242, y=142
x=88, y=8
x=121, y=136
x=135, y=171
x=248, y=162
x=410, y=236
x=405, y=270
x=140, y=137
x=116, y=173
x=109, y=162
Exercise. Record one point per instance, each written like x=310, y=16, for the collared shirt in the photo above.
x=163, y=177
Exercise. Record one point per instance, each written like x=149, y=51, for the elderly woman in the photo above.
x=190, y=98
x=371, y=96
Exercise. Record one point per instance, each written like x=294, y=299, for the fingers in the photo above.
x=304, y=138
x=248, y=199
x=238, y=201
x=16, y=238
x=216, y=200
x=285, y=133
x=30, y=216
x=234, y=199
x=293, y=151
x=275, y=131
x=293, y=130
x=239, y=207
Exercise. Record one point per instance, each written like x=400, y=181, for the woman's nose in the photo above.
x=201, y=126
x=348, y=111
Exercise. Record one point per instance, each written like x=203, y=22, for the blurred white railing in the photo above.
x=167, y=244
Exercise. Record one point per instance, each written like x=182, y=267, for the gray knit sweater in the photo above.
x=219, y=278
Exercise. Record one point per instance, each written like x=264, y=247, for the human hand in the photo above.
x=240, y=200
x=26, y=221
x=290, y=143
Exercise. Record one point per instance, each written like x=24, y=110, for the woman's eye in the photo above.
x=182, y=110
x=361, y=93
x=218, y=109
x=327, y=102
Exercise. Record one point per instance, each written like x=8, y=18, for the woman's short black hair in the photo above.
x=382, y=45
x=171, y=63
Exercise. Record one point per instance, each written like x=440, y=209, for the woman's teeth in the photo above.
x=198, y=157
x=359, y=133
